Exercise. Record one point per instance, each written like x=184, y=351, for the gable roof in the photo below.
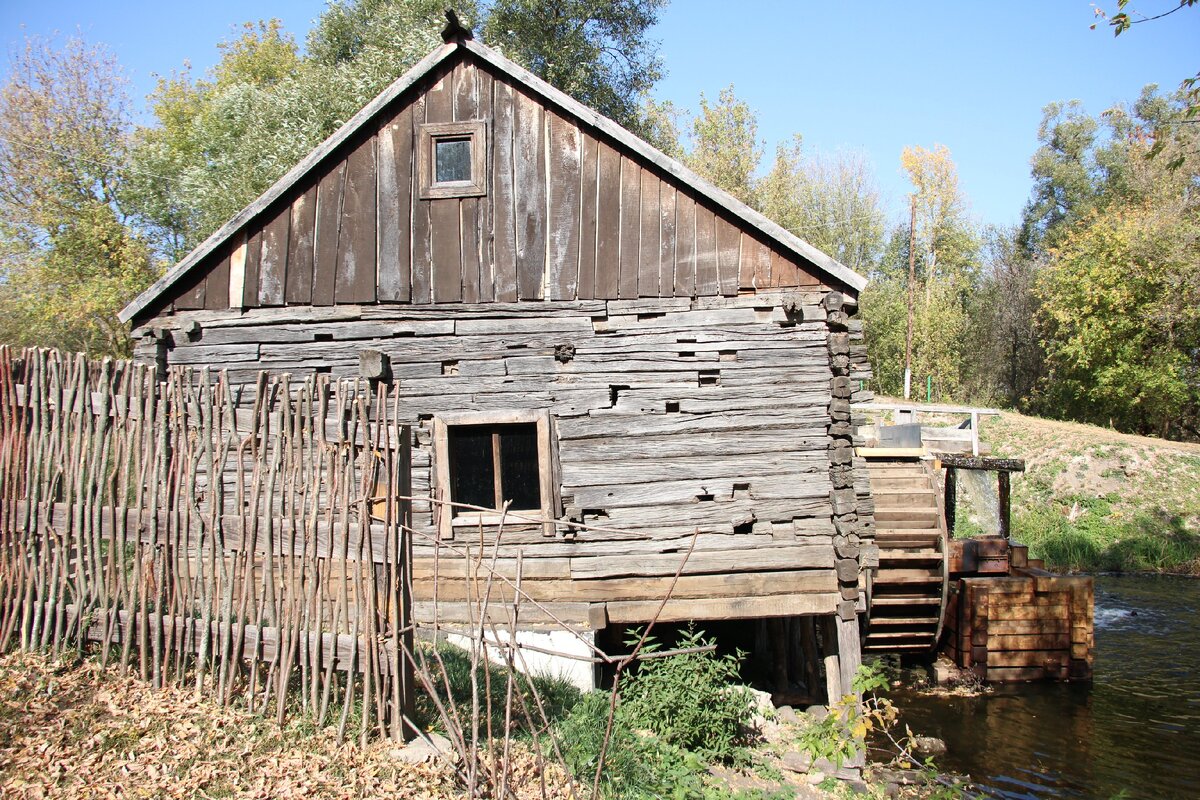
x=753, y=219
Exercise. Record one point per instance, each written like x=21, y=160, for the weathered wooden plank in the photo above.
x=685, y=245
x=763, y=584
x=355, y=278
x=237, y=276
x=301, y=236
x=253, y=258
x=727, y=608
x=394, y=208
x=504, y=228
x=755, y=263
x=529, y=187
x=273, y=266
x=608, y=224
x=192, y=295
x=216, y=286
x=783, y=272
x=666, y=232
x=328, y=224
x=446, y=239
x=650, y=247
x=588, y=205
x=812, y=563
x=728, y=256
x=707, y=279
x=631, y=229
x=478, y=259
x=564, y=207
x=422, y=229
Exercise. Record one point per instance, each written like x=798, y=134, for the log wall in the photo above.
x=673, y=420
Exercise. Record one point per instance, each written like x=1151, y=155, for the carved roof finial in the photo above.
x=455, y=31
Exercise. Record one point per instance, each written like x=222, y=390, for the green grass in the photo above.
x=1091, y=500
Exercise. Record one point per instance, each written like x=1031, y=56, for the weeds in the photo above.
x=674, y=716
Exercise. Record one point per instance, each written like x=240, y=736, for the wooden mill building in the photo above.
x=579, y=326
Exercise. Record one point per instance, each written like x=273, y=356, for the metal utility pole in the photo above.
x=912, y=269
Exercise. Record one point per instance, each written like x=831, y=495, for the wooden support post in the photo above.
x=951, y=499
x=1005, y=509
x=833, y=670
x=974, y=433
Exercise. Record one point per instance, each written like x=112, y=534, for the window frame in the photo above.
x=429, y=134
x=446, y=520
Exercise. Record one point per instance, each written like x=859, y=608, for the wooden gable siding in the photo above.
x=567, y=216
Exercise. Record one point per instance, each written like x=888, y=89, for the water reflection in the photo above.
x=1136, y=729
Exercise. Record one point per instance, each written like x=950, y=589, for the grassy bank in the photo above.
x=1095, y=500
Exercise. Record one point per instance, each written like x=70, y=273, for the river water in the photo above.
x=1134, y=732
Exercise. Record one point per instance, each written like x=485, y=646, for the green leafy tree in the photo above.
x=832, y=202
x=597, y=51
x=1123, y=326
x=725, y=148
x=69, y=255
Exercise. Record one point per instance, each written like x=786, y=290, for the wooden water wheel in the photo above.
x=907, y=594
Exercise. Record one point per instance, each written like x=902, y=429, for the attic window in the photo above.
x=452, y=159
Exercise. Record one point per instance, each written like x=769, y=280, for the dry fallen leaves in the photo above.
x=69, y=730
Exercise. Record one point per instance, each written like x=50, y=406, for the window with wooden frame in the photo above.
x=489, y=459
x=452, y=159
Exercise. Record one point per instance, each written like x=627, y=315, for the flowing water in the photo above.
x=1134, y=732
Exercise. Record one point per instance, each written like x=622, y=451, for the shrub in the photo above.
x=690, y=700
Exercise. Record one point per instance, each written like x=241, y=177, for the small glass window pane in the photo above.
x=519, y=466
x=472, y=470
x=452, y=160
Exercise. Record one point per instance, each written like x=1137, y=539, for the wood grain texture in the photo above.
x=328, y=225
x=394, y=207
x=631, y=229
x=253, y=258
x=608, y=223
x=273, y=268
x=666, y=255
x=301, y=238
x=588, y=221
x=356, y=258
x=468, y=106
x=707, y=279
x=529, y=188
x=728, y=254
x=564, y=208
x=422, y=229
x=216, y=287
x=649, y=248
x=193, y=294
x=685, y=245
x=504, y=229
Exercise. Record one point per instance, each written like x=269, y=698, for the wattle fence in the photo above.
x=250, y=540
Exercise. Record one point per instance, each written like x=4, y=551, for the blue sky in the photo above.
x=869, y=76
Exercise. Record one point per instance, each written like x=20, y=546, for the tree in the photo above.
x=1123, y=329
x=832, y=202
x=946, y=258
x=69, y=256
x=1064, y=173
x=725, y=148
x=1004, y=362
x=223, y=139
x=948, y=240
x=597, y=51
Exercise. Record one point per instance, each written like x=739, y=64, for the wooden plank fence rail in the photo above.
x=256, y=548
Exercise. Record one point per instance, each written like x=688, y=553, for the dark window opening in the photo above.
x=452, y=160
x=491, y=464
